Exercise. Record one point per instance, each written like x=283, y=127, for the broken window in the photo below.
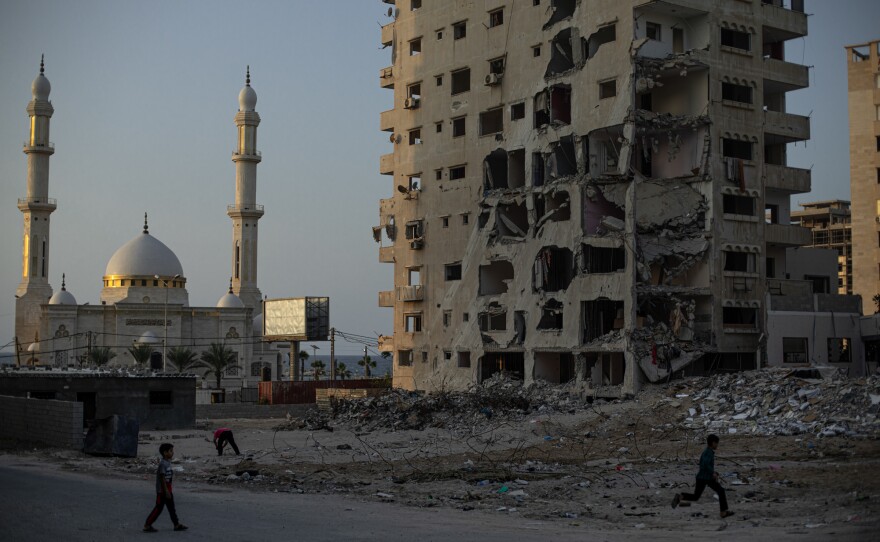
x=512, y=220
x=492, y=121
x=599, y=317
x=511, y=364
x=414, y=90
x=770, y=264
x=562, y=161
x=461, y=81
x=415, y=137
x=560, y=104
x=677, y=40
x=607, y=89
x=456, y=173
x=739, y=317
x=458, y=127
x=736, y=39
x=496, y=66
x=415, y=4
x=412, y=323
x=600, y=37
x=554, y=367
x=494, y=318
x=794, y=349
x=404, y=358
x=743, y=262
x=553, y=207
x=415, y=182
x=495, y=170
x=541, y=109
x=459, y=30
x=496, y=18
x=552, y=270
x=415, y=47
x=603, y=259
x=537, y=169
x=561, y=58
x=518, y=111
x=562, y=9
x=464, y=360
x=447, y=318
x=838, y=350
x=516, y=168
x=551, y=315
x=608, y=369
x=736, y=93
x=495, y=277
x=414, y=229
x=452, y=271
x=653, y=31
x=738, y=205
x=771, y=213
x=736, y=148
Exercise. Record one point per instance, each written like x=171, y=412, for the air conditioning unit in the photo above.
x=417, y=244
x=411, y=103
x=493, y=79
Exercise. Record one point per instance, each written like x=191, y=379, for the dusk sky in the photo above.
x=145, y=94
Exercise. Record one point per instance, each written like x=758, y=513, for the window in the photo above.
x=459, y=30
x=414, y=276
x=415, y=137
x=608, y=89
x=860, y=54
x=161, y=397
x=518, y=111
x=464, y=359
x=415, y=182
x=438, y=127
x=447, y=318
x=456, y=173
x=738, y=205
x=424, y=357
x=838, y=350
x=877, y=80
x=465, y=317
x=415, y=4
x=736, y=93
x=878, y=175
x=771, y=213
x=742, y=262
x=734, y=148
x=415, y=47
x=447, y=355
x=412, y=323
x=404, y=358
x=536, y=50
x=603, y=259
x=771, y=268
x=438, y=174
x=878, y=143
x=444, y=221
x=496, y=18
x=439, y=80
x=877, y=112
x=465, y=219
x=740, y=317
x=794, y=349
x=652, y=31
x=496, y=66
x=458, y=128
x=413, y=229
x=41, y=394
x=492, y=121
x=452, y=271
x=736, y=39
x=414, y=91
x=461, y=81
x=440, y=34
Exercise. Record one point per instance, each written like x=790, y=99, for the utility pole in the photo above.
x=332, y=354
x=366, y=363
x=17, y=352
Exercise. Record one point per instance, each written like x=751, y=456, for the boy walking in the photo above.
x=164, y=476
x=706, y=477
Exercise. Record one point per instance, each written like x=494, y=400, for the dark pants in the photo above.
x=701, y=485
x=161, y=502
x=226, y=436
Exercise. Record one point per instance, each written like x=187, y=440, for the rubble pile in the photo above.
x=781, y=402
x=499, y=397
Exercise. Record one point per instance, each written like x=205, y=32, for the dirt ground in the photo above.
x=611, y=465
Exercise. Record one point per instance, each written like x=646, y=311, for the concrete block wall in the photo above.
x=56, y=423
x=226, y=411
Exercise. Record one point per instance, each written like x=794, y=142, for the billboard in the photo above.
x=296, y=319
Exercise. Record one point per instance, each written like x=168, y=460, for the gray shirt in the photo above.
x=163, y=472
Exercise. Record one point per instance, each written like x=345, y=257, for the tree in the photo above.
x=141, y=352
x=342, y=372
x=303, y=357
x=876, y=300
x=318, y=366
x=182, y=359
x=367, y=363
x=217, y=359
x=100, y=355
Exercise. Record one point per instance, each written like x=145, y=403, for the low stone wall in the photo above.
x=247, y=410
x=56, y=423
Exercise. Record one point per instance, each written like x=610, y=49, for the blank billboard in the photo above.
x=296, y=319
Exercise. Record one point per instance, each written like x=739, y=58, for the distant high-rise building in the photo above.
x=578, y=188
x=863, y=79
x=830, y=222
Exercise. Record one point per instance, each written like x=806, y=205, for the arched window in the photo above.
x=25, y=255
x=237, y=264
x=43, y=262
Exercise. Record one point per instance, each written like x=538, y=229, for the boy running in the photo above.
x=706, y=477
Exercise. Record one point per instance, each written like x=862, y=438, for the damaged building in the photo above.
x=593, y=179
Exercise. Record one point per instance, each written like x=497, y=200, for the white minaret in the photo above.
x=34, y=289
x=245, y=213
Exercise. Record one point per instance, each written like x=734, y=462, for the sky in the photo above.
x=145, y=94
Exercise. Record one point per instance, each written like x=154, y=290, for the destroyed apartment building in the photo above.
x=580, y=187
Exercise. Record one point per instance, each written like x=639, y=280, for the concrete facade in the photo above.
x=56, y=423
x=578, y=187
x=863, y=80
x=832, y=228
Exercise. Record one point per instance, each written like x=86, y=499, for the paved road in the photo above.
x=41, y=502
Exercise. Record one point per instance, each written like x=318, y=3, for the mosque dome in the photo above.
x=230, y=300
x=144, y=256
x=62, y=297
x=247, y=98
x=148, y=337
x=41, y=88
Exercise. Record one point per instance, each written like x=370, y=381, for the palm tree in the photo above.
x=303, y=357
x=100, y=355
x=183, y=359
x=367, y=363
x=318, y=366
x=141, y=352
x=342, y=372
x=217, y=359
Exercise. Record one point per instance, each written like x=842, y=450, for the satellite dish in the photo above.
x=390, y=11
x=402, y=189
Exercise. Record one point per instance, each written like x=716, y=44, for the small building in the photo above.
x=831, y=225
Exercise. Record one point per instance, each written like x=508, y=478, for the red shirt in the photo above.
x=220, y=431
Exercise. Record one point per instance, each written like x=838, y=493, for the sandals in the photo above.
x=150, y=529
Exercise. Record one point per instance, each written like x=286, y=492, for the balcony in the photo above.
x=386, y=164
x=386, y=298
x=782, y=76
x=785, y=127
x=782, y=23
x=386, y=254
x=787, y=179
x=386, y=120
x=675, y=8
x=37, y=204
x=386, y=77
x=787, y=235
x=388, y=34
x=415, y=292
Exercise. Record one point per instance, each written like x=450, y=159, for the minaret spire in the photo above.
x=42, y=66
x=146, y=227
x=247, y=80
x=63, y=282
x=230, y=285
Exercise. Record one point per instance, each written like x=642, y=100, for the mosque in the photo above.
x=144, y=298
